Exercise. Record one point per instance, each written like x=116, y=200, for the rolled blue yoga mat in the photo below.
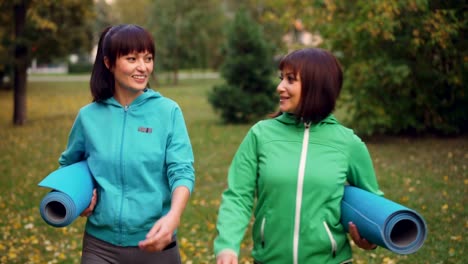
x=72, y=189
x=382, y=221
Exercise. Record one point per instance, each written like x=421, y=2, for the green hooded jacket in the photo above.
x=295, y=176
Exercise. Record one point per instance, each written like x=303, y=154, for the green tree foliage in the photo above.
x=44, y=30
x=187, y=34
x=140, y=13
x=276, y=17
x=105, y=16
x=247, y=69
x=405, y=63
x=58, y=28
x=6, y=32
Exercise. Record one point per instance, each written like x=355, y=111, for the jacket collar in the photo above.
x=146, y=95
x=290, y=119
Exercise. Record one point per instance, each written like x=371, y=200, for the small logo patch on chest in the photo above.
x=145, y=129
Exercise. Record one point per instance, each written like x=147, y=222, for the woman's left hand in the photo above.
x=358, y=240
x=88, y=211
x=161, y=234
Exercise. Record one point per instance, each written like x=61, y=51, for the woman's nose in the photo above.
x=280, y=87
x=141, y=65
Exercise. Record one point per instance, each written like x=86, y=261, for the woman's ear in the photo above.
x=107, y=63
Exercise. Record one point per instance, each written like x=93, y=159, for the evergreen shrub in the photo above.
x=248, y=92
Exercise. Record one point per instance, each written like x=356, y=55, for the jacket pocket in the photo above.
x=138, y=215
x=331, y=238
x=262, y=232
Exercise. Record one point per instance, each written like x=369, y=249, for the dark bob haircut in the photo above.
x=321, y=78
x=114, y=42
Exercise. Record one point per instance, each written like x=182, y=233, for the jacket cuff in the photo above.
x=227, y=251
x=186, y=183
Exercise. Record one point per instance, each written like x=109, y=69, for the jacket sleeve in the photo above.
x=179, y=154
x=361, y=171
x=238, y=199
x=75, y=150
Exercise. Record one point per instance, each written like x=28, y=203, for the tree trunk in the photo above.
x=20, y=64
x=2, y=75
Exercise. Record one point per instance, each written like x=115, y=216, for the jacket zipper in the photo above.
x=122, y=172
x=332, y=239
x=300, y=182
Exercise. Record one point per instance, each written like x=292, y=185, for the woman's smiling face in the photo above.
x=289, y=90
x=132, y=71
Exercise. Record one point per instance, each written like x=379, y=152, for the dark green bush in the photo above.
x=80, y=67
x=405, y=64
x=248, y=92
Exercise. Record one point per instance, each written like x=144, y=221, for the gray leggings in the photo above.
x=96, y=251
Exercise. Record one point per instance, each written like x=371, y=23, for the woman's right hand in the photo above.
x=226, y=258
x=88, y=211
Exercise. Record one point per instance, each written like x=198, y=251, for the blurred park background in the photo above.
x=405, y=93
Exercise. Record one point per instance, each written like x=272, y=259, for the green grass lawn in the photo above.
x=426, y=174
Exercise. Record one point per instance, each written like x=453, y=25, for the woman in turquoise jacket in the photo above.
x=138, y=150
x=294, y=168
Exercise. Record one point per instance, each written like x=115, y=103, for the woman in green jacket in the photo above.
x=294, y=168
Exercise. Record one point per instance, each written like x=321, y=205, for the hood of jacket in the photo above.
x=290, y=119
x=147, y=94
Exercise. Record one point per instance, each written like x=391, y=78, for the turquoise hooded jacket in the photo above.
x=292, y=177
x=138, y=154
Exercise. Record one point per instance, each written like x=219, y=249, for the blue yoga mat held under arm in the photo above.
x=382, y=221
x=72, y=189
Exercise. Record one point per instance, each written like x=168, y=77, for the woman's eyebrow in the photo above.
x=287, y=73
